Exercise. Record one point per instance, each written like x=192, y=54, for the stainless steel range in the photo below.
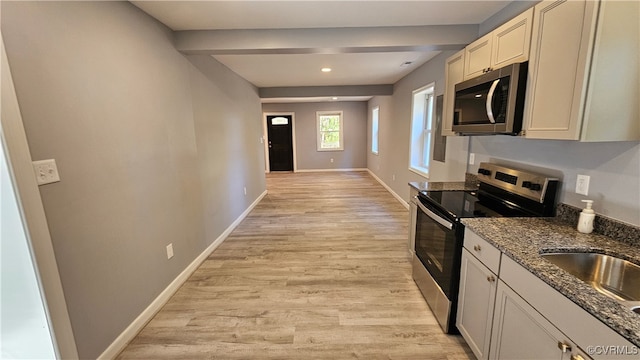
x=502, y=192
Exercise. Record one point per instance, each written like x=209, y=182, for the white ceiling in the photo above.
x=304, y=69
x=357, y=66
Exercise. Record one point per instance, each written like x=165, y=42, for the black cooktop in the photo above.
x=472, y=204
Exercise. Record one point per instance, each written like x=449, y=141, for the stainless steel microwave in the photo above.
x=492, y=103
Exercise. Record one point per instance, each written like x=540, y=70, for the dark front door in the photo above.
x=280, y=142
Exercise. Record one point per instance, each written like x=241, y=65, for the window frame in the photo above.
x=319, y=115
x=375, y=130
x=422, y=129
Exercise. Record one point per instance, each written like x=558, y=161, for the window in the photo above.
x=330, y=131
x=374, y=129
x=421, y=129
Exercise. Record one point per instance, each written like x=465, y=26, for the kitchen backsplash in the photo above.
x=602, y=225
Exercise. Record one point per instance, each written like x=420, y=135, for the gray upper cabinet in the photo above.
x=453, y=74
x=583, y=71
x=505, y=45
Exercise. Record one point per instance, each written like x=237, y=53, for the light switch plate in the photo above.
x=46, y=171
x=582, y=184
x=170, y=251
x=472, y=158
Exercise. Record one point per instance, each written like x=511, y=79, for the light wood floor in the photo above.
x=318, y=270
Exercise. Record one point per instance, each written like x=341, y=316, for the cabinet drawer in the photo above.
x=481, y=249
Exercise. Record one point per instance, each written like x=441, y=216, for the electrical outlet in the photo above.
x=46, y=171
x=245, y=191
x=582, y=184
x=393, y=177
x=331, y=159
x=170, y=251
x=472, y=158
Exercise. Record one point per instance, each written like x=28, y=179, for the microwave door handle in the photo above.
x=492, y=90
x=435, y=217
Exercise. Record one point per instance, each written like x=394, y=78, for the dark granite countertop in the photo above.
x=524, y=239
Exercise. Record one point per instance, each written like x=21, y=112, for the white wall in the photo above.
x=152, y=147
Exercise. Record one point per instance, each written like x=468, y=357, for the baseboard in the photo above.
x=398, y=197
x=134, y=328
x=324, y=170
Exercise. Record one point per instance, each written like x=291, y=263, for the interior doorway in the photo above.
x=280, y=144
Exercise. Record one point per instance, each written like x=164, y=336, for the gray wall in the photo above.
x=614, y=167
x=355, y=134
x=377, y=162
x=395, y=131
x=509, y=12
x=152, y=147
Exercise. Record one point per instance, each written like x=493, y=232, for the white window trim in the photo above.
x=375, y=135
x=417, y=166
x=318, y=133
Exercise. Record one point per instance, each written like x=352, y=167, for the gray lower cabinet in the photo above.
x=475, y=304
x=506, y=312
x=520, y=332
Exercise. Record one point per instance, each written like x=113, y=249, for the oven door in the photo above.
x=438, y=247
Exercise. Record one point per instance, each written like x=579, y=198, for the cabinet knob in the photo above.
x=491, y=278
x=476, y=247
x=564, y=347
x=577, y=357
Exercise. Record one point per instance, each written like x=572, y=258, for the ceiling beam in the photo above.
x=319, y=91
x=325, y=40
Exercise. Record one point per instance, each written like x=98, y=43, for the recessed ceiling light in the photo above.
x=478, y=95
x=326, y=69
x=334, y=98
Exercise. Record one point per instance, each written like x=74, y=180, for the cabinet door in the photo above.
x=477, y=57
x=557, y=68
x=611, y=109
x=475, y=304
x=453, y=74
x=520, y=332
x=511, y=41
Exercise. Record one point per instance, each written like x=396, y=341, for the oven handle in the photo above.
x=434, y=216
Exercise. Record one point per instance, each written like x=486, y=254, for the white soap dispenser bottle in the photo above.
x=585, y=223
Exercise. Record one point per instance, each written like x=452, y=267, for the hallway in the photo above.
x=318, y=270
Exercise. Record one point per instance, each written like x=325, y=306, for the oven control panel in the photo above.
x=528, y=184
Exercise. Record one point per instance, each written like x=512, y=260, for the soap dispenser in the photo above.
x=585, y=223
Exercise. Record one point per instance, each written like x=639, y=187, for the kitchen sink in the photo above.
x=611, y=276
